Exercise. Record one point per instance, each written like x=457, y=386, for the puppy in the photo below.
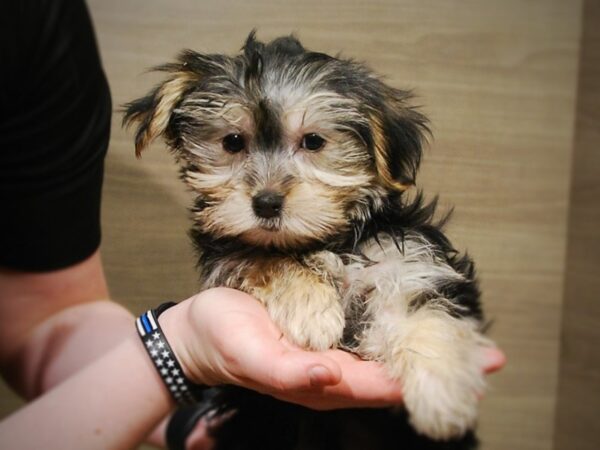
x=300, y=162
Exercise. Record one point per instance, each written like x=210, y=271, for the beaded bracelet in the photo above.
x=181, y=388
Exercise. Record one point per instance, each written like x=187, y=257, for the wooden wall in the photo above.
x=578, y=407
x=498, y=79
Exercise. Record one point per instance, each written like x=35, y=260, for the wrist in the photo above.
x=164, y=357
x=200, y=335
x=175, y=326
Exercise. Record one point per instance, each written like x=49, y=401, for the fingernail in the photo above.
x=319, y=375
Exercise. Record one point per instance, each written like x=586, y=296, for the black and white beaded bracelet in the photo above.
x=181, y=388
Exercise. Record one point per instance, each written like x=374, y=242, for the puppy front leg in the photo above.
x=303, y=299
x=438, y=359
x=428, y=340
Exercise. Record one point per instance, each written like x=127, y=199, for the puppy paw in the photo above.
x=312, y=317
x=303, y=298
x=442, y=405
x=439, y=360
x=317, y=332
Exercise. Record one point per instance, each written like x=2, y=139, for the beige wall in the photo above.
x=498, y=80
x=578, y=411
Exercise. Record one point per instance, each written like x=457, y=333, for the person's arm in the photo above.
x=111, y=404
x=220, y=336
x=54, y=323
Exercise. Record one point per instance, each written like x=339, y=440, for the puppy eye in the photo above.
x=312, y=141
x=234, y=143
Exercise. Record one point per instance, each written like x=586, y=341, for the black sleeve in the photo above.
x=55, y=112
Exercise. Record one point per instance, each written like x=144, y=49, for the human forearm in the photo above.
x=53, y=323
x=65, y=343
x=111, y=404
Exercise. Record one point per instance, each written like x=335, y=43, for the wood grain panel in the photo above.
x=498, y=80
x=578, y=408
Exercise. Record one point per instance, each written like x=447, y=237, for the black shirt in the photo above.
x=55, y=111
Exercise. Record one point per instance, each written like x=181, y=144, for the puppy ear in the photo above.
x=398, y=136
x=153, y=112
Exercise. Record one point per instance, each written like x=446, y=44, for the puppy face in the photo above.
x=283, y=147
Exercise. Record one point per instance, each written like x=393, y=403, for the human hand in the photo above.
x=224, y=336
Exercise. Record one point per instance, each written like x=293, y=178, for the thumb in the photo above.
x=270, y=366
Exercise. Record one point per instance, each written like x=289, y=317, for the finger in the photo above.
x=365, y=381
x=370, y=382
x=377, y=392
x=494, y=359
x=363, y=384
x=199, y=438
x=286, y=371
x=265, y=363
x=367, y=384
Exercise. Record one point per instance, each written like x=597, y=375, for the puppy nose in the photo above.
x=267, y=204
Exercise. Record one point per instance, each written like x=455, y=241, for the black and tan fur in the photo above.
x=344, y=259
